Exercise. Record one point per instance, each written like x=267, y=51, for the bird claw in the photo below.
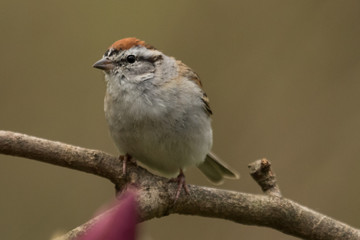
x=180, y=180
x=126, y=158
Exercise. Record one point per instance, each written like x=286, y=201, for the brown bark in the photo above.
x=156, y=194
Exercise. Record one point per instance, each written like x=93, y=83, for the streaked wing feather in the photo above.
x=190, y=74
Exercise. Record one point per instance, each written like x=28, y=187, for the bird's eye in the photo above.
x=131, y=59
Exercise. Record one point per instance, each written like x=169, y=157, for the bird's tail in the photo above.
x=215, y=170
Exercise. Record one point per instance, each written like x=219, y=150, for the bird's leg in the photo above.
x=180, y=179
x=126, y=158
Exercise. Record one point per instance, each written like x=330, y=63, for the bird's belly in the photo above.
x=164, y=145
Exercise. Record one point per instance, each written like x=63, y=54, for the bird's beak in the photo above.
x=104, y=64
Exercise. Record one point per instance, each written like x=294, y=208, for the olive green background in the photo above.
x=282, y=77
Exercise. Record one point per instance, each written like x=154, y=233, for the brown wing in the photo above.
x=190, y=74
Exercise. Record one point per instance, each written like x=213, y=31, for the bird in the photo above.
x=158, y=113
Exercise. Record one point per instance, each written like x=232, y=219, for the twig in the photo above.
x=261, y=172
x=155, y=194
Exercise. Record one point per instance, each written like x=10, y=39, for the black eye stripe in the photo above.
x=132, y=58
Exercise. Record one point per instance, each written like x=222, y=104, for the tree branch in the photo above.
x=156, y=195
x=261, y=172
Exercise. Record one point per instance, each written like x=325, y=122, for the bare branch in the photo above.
x=260, y=170
x=155, y=194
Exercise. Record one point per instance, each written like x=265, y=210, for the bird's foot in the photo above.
x=180, y=180
x=126, y=158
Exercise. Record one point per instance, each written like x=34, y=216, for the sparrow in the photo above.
x=158, y=112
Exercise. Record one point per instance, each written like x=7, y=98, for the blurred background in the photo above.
x=282, y=77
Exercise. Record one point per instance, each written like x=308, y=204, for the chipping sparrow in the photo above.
x=157, y=111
